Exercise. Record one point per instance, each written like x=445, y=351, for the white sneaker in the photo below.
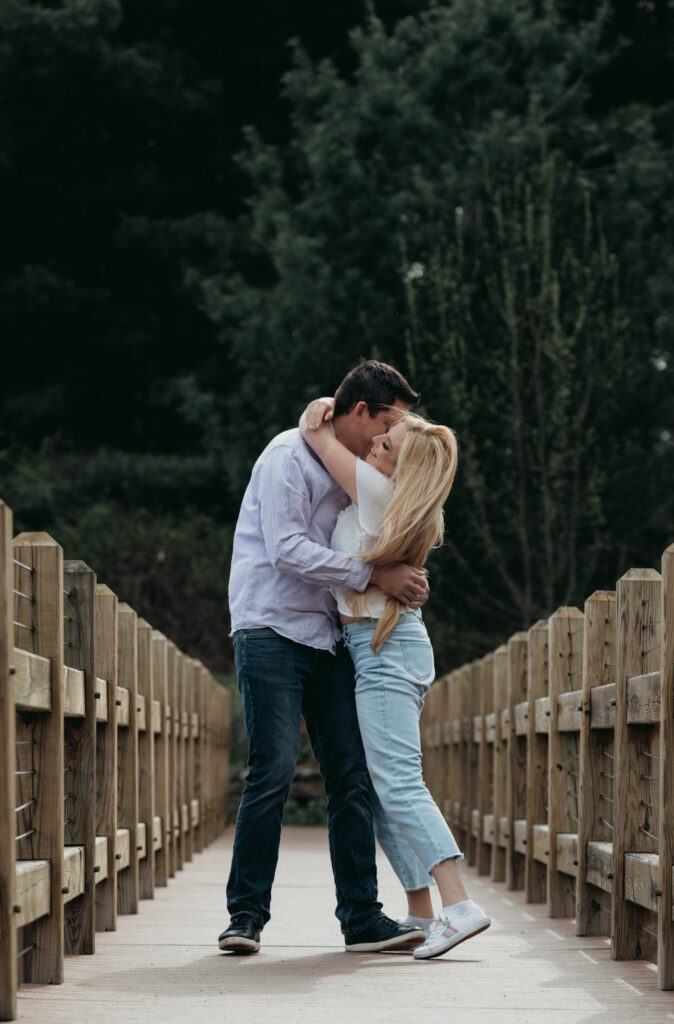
x=448, y=931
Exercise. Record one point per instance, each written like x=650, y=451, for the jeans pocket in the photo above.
x=418, y=658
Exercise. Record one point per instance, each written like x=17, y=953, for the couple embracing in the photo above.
x=325, y=589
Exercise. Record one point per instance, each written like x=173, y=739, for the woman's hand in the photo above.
x=321, y=410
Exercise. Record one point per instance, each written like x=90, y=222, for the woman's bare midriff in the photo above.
x=346, y=619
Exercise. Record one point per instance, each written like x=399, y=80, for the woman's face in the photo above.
x=383, y=454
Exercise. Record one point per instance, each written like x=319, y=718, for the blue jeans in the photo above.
x=280, y=681
x=390, y=690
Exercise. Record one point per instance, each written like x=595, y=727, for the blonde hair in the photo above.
x=414, y=520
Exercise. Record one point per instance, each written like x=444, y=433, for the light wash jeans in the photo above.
x=390, y=690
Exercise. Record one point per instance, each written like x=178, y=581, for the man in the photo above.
x=290, y=661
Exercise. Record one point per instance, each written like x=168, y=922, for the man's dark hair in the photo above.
x=376, y=383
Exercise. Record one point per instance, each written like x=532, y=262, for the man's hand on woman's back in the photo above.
x=403, y=582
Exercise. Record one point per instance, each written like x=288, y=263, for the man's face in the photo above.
x=368, y=427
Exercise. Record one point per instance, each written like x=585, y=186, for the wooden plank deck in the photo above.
x=164, y=965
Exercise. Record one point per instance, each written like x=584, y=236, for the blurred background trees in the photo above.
x=480, y=193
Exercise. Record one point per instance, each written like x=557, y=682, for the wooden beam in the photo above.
x=32, y=681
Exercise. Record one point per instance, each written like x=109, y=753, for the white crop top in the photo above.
x=356, y=531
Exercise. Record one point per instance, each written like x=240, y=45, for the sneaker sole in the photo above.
x=239, y=944
x=398, y=944
x=451, y=943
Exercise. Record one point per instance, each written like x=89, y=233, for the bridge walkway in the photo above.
x=164, y=965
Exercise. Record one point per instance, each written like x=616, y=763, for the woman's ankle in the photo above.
x=419, y=903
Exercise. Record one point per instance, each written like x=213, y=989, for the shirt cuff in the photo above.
x=362, y=571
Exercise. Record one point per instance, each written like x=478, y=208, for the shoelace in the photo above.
x=437, y=927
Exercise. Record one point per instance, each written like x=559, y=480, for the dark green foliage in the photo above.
x=480, y=193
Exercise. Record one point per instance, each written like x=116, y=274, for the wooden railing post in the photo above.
x=189, y=666
x=106, y=756
x=145, y=759
x=498, y=853
x=637, y=753
x=486, y=768
x=566, y=666
x=172, y=755
x=597, y=795
x=516, y=804
x=535, y=869
x=453, y=779
x=43, y=735
x=8, y=802
x=198, y=759
x=128, y=815
x=474, y=813
x=665, y=927
x=80, y=754
x=161, y=758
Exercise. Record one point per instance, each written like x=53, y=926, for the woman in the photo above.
x=398, y=492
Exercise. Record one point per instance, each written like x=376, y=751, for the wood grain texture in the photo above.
x=639, y=651
x=106, y=654
x=146, y=787
x=32, y=680
x=666, y=797
x=171, y=722
x=485, y=764
x=43, y=736
x=161, y=757
x=516, y=806
x=566, y=629
x=8, y=801
x=537, y=759
x=79, y=583
x=595, y=814
x=498, y=862
x=127, y=754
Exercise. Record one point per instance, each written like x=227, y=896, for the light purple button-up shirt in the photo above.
x=282, y=564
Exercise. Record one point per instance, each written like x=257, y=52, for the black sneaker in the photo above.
x=382, y=934
x=242, y=936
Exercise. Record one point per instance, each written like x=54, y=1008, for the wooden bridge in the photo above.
x=552, y=758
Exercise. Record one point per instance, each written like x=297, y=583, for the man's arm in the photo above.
x=285, y=513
